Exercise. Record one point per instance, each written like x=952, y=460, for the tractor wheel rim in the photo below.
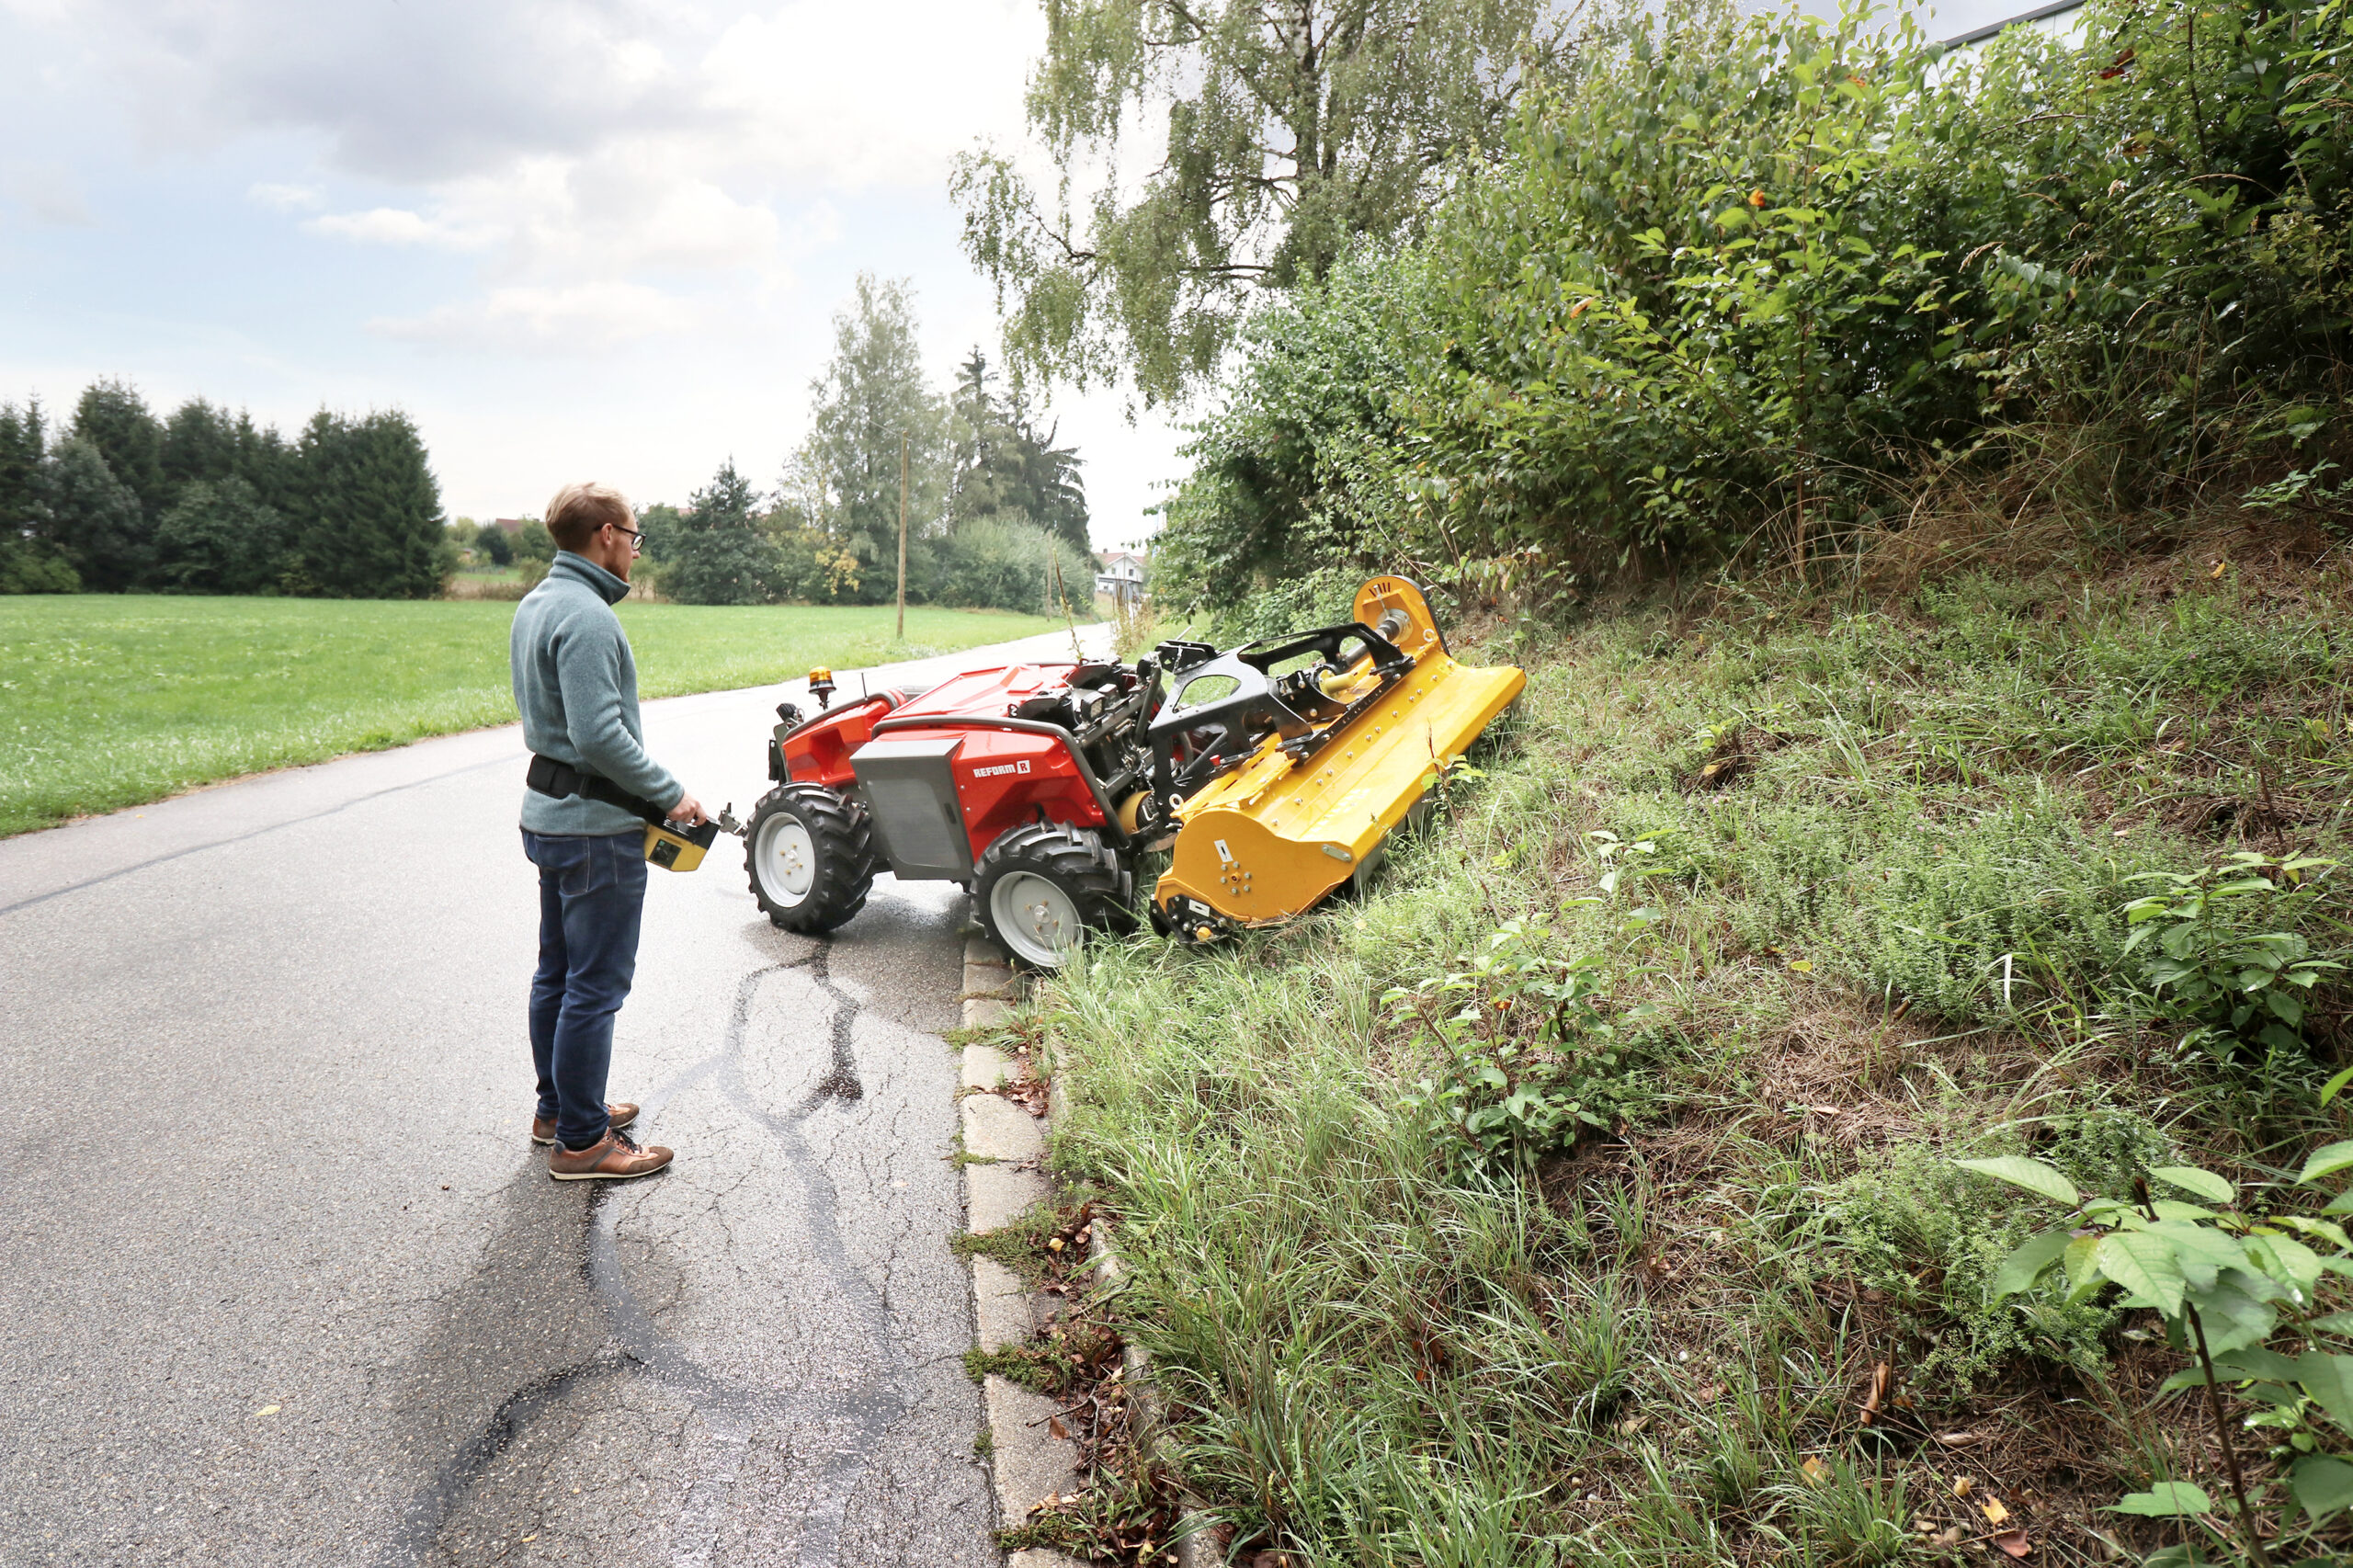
x=1036, y=918
x=786, y=860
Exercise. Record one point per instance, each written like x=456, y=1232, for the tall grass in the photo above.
x=1651, y=1348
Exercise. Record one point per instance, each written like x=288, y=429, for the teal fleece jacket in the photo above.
x=575, y=685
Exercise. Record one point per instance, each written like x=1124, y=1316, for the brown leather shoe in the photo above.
x=611, y=1158
x=622, y=1114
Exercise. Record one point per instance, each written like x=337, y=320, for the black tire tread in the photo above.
x=1076, y=858
x=843, y=842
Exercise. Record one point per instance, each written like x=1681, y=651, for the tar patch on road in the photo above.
x=552, y=1417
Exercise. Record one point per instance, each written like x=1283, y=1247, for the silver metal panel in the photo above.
x=910, y=788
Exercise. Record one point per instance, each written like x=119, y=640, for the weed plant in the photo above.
x=1849, y=887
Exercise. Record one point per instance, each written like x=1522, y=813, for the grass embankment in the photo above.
x=1851, y=887
x=110, y=701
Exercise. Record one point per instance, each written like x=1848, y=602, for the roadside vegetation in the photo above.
x=1855, y=1077
x=1589, y=1193
x=107, y=701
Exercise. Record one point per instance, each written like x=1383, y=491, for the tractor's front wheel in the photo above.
x=811, y=854
x=1042, y=888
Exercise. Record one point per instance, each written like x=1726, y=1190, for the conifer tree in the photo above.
x=115, y=420
x=369, y=520
x=722, y=557
x=200, y=443
x=96, y=519
x=23, y=447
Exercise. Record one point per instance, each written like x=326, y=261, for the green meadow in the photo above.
x=111, y=700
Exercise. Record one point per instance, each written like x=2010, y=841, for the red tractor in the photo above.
x=1271, y=774
x=1009, y=782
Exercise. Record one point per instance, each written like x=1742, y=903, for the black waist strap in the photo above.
x=561, y=779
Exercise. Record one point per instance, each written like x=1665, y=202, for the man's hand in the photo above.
x=689, y=811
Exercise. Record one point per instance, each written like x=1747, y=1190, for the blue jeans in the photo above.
x=592, y=894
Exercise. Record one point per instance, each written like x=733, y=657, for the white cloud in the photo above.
x=573, y=144
x=581, y=319
x=636, y=187
x=49, y=192
x=395, y=226
x=286, y=198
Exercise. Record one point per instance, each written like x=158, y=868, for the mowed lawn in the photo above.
x=111, y=700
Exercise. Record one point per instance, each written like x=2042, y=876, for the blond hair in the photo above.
x=578, y=511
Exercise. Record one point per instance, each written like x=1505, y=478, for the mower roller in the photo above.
x=1270, y=774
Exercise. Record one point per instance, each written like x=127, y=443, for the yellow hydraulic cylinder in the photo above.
x=1264, y=842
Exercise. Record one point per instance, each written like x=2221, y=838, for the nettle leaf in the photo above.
x=2165, y=1500
x=2324, y=1162
x=2205, y=1184
x=2323, y=1486
x=2036, y=1177
x=2329, y=1380
x=2024, y=1266
x=2142, y=1262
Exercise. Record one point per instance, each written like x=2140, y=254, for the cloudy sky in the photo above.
x=599, y=237
x=572, y=238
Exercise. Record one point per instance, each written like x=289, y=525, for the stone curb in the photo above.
x=1026, y=1460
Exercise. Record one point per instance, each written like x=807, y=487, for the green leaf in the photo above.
x=2336, y=1157
x=2024, y=1266
x=2174, y=1208
x=2144, y=1264
x=2038, y=1178
x=2234, y=1318
x=2329, y=1380
x=2200, y=1251
x=2205, y=1184
x=2323, y=1486
x=2287, y=1260
x=2330, y=1090
x=2165, y=1500
x=2334, y=1323
x=2250, y=1362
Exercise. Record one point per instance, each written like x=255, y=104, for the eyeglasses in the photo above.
x=636, y=539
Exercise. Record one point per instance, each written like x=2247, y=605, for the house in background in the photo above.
x=1122, y=575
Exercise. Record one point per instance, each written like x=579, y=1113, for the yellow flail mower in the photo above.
x=1270, y=774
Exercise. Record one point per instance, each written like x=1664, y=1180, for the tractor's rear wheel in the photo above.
x=810, y=855
x=1042, y=888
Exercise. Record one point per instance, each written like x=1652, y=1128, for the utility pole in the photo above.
x=903, y=536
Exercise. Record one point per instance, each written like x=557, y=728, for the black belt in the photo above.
x=561, y=779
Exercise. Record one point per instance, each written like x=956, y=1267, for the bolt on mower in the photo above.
x=1269, y=775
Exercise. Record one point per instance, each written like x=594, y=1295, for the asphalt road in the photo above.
x=283, y=1281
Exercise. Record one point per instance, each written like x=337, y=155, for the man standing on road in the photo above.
x=575, y=685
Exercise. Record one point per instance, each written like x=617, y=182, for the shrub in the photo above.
x=1735, y=284
x=220, y=538
x=1528, y=1057
x=26, y=567
x=992, y=564
x=1933, y=1239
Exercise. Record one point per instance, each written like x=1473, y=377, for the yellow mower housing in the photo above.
x=1263, y=840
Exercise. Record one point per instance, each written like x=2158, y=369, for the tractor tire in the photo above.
x=1040, y=888
x=810, y=857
